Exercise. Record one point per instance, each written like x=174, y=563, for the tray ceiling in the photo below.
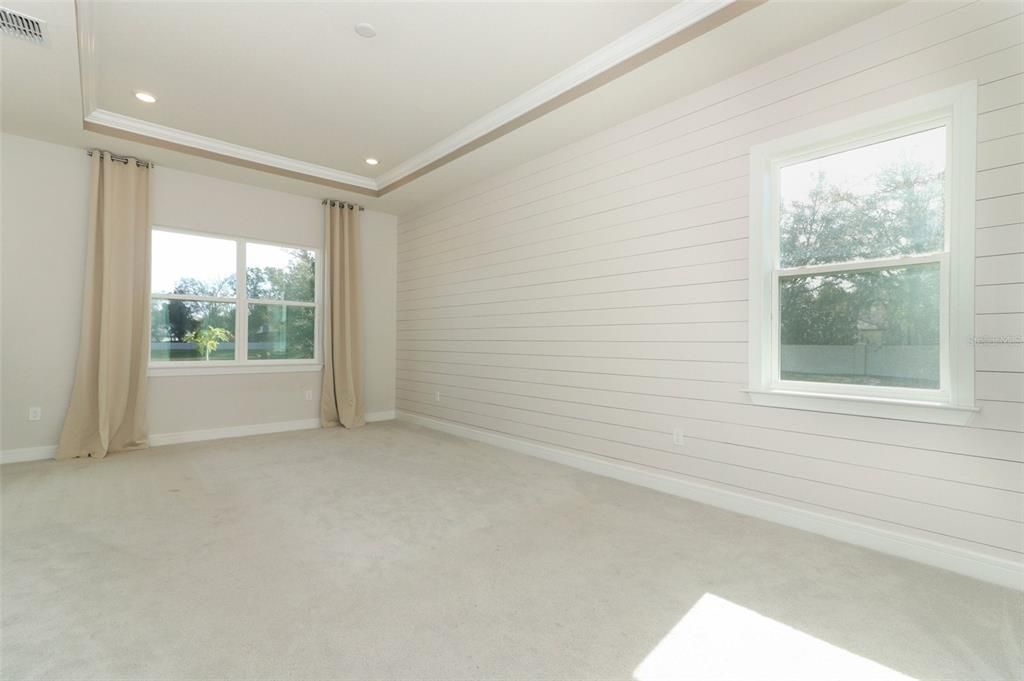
x=293, y=83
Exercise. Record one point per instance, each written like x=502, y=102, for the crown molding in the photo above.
x=100, y=120
x=679, y=24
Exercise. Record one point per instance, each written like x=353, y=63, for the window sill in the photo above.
x=226, y=368
x=878, y=407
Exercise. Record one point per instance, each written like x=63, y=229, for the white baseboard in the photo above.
x=28, y=454
x=956, y=559
x=159, y=439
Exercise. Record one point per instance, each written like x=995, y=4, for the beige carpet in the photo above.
x=395, y=552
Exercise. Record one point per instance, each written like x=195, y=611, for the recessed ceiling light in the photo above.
x=372, y=161
x=366, y=30
x=145, y=97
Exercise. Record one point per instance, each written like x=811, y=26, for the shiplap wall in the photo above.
x=596, y=298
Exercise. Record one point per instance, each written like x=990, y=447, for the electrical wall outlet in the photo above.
x=309, y=395
x=35, y=413
x=437, y=396
x=678, y=438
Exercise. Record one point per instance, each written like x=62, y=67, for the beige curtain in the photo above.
x=341, y=398
x=108, y=402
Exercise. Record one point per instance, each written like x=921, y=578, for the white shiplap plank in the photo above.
x=669, y=278
x=1001, y=240
x=734, y=372
x=695, y=313
x=999, y=355
x=583, y=386
x=1003, y=181
x=1004, y=210
x=1001, y=152
x=999, y=415
x=1001, y=123
x=1001, y=93
x=1005, y=386
x=999, y=299
x=1005, y=326
x=683, y=294
x=704, y=209
x=646, y=236
x=717, y=332
x=1000, y=269
x=715, y=252
x=733, y=352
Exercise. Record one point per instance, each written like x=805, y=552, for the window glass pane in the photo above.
x=281, y=332
x=868, y=327
x=190, y=330
x=193, y=265
x=881, y=200
x=277, y=273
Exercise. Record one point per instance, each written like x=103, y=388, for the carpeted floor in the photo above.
x=395, y=552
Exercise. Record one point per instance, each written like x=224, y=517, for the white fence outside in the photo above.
x=918, y=362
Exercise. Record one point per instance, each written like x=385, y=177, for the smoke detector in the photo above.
x=22, y=26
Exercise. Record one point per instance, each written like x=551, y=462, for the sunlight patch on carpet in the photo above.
x=719, y=640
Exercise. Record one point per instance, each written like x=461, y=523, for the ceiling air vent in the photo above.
x=21, y=25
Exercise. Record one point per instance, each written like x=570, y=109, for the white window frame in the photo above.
x=953, y=402
x=241, y=364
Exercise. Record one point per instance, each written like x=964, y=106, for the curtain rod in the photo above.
x=343, y=204
x=119, y=158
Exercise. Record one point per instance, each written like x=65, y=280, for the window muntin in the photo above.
x=861, y=257
x=200, y=315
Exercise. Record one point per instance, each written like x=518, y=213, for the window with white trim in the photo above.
x=861, y=262
x=203, y=317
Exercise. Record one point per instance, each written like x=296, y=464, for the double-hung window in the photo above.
x=862, y=263
x=221, y=303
